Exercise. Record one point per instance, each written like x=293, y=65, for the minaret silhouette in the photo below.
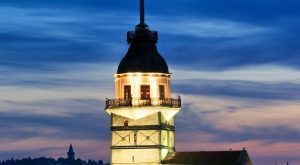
x=71, y=153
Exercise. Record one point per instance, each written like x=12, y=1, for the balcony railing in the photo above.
x=167, y=102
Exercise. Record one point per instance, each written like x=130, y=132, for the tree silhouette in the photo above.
x=50, y=161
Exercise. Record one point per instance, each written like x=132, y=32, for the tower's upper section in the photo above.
x=142, y=55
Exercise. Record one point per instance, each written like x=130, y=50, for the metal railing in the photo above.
x=166, y=102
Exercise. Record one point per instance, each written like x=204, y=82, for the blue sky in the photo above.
x=236, y=65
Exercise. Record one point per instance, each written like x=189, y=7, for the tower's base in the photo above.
x=138, y=156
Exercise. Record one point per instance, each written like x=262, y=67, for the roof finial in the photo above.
x=142, y=14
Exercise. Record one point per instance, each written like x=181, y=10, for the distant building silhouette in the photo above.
x=71, y=153
x=70, y=160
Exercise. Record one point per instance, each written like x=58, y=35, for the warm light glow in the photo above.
x=144, y=110
x=164, y=153
x=136, y=156
x=135, y=80
x=141, y=112
x=153, y=87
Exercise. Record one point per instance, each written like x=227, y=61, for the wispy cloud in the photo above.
x=260, y=152
x=234, y=114
x=45, y=128
x=208, y=28
x=255, y=73
x=88, y=149
x=268, y=129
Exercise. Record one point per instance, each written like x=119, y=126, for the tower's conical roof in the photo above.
x=142, y=55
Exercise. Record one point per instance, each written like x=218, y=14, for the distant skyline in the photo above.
x=236, y=65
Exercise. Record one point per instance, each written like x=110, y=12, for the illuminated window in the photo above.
x=127, y=92
x=161, y=92
x=145, y=92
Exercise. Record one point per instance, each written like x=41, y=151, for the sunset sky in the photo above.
x=235, y=63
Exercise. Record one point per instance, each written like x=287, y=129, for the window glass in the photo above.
x=161, y=91
x=127, y=92
x=145, y=92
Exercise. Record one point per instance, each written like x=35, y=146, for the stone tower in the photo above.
x=142, y=114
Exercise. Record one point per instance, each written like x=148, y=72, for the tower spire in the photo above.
x=71, y=153
x=142, y=14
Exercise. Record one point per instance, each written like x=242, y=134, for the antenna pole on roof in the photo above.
x=142, y=12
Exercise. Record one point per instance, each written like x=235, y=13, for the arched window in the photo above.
x=126, y=123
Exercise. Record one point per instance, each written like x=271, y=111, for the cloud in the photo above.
x=239, y=89
x=235, y=63
x=53, y=117
x=257, y=73
x=268, y=129
x=56, y=75
x=54, y=99
x=45, y=128
x=43, y=35
x=85, y=149
x=208, y=28
x=260, y=82
x=207, y=42
x=259, y=151
x=237, y=114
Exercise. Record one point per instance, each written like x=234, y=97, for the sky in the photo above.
x=236, y=65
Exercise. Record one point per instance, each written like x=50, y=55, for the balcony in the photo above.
x=118, y=103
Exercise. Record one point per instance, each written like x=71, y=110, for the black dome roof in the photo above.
x=142, y=55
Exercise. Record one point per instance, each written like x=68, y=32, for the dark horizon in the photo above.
x=51, y=161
